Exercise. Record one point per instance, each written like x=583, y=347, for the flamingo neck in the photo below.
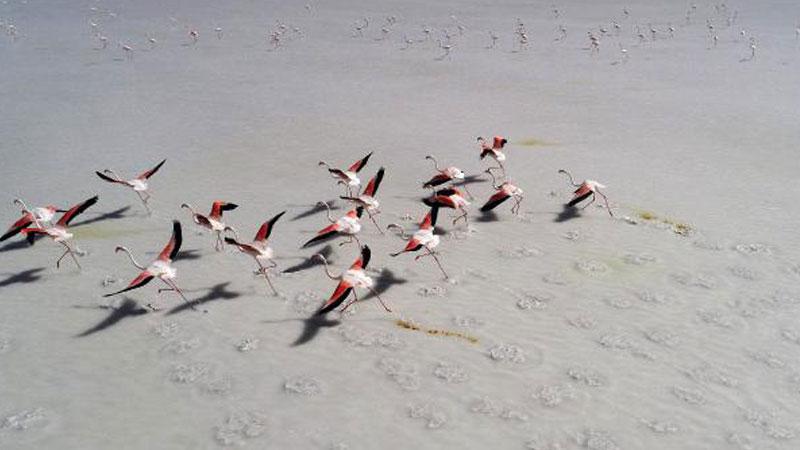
x=130, y=256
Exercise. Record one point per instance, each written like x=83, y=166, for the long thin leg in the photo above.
x=348, y=241
x=372, y=218
x=263, y=271
x=69, y=252
x=176, y=289
x=380, y=300
x=462, y=216
x=438, y=263
x=605, y=199
x=594, y=197
x=355, y=299
x=144, y=202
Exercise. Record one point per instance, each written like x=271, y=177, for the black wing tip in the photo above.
x=434, y=214
x=429, y=202
x=366, y=254
x=359, y=211
x=230, y=240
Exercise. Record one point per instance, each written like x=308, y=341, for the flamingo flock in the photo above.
x=447, y=187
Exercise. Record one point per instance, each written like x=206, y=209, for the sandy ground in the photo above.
x=564, y=331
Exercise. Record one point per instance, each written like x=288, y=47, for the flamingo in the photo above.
x=259, y=249
x=422, y=239
x=449, y=198
x=59, y=232
x=213, y=222
x=348, y=225
x=586, y=189
x=503, y=192
x=161, y=268
x=138, y=184
x=450, y=174
x=38, y=216
x=349, y=280
x=495, y=151
x=348, y=177
x=367, y=198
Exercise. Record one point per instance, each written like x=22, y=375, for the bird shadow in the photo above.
x=128, y=308
x=17, y=245
x=26, y=276
x=471, y=179
x=312, y=327
x=316, y=209
x=310, y=262
x=487, y=216
x=189, y=255
x=568, y=213
x=113, y=215
x=217, y=292
x=383, y=282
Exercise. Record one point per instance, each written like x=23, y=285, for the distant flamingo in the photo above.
x=161, y=268
x=138, y=184
x=352, y=278
x=495, y=151
x=586, y=189
x=59, y=233
x=348, y=225
x=39, y=216
x=449, y=198
x=213, y=222
x=348, y=177
x=450, y=174
x=259, y=249
x=422, y=239
x=505, y=191
x=367, y=198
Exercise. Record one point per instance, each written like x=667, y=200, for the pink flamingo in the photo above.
x=349, y=225
x=352, y=278
x=259, y=249
x=349, y=177
x=503, y=192
x=423, y=239
x=367, y=198
x=586, y=189
x=138, y=184
x=213, y=222
x=59, y=232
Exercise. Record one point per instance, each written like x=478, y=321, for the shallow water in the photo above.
x=591, y=332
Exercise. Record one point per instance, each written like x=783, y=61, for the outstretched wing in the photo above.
x=358, y=165
x=579, y=198
x=338, y=296
x=25, y=221
x=374, y=183
x=322, y=234
x=266, y=228
x=143, y=278
x=218, y=207
x=437, y=180
x=151, y=172
x=430, y=219
x=174, y=245
x=75, y=210
x=496, y=199
x=363, y=260
x=109, y=179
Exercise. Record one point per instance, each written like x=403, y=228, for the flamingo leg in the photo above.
x=594, y=197
x=375, y=293
x=144, y=202
x=605, y=199
x=179, y=292
x=435, y=258
x=67, y=251
x=462, y=216
x=372, y=218
x=263, y=271
x=355, y=299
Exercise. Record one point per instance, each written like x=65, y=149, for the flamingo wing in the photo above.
x=486, y=152
x=266, y=228
x=143, y=278
x=218, y=207
x=324, y=233
x=374, y=183
x=363, y=260
x=437, y=180
x=496, y=199
x=358, y=165
x=247, y=248
x=579, y=198
x=75, y=210
x=174, y=245
x=339, y=173
x=338, y=296
x=412, y=245
x=151, y=172
x=25, y=221
x=109, y=179
x=430, y=219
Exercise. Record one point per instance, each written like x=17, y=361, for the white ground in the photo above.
x=592, y=332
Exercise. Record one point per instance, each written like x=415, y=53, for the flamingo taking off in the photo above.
x=348, y=177
x=38, y=216
x=59, y=232
x=349, y=280
x=161, y=268
x=259, y=249
x=213, y=222
x=367, y=198
x=503, y=192
x=494, y=151
x=138, y=184
x=349, y=225
x=422, y=239
x=586, y=189
x=449, y=198
x=450, y=174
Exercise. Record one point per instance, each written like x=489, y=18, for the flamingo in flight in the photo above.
x=38, y=216
x=59, y=232
x=259, y=249
x=138, y=184
x=367, y=198
x=449, y=174
x=161, y=268
x=586, y=189
x=213, y=221
x=494, y=151
x=423, y=239
x=349, y=280
x=503, y=192
x=348, y=177
x=449, y=198
x=349, y=224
